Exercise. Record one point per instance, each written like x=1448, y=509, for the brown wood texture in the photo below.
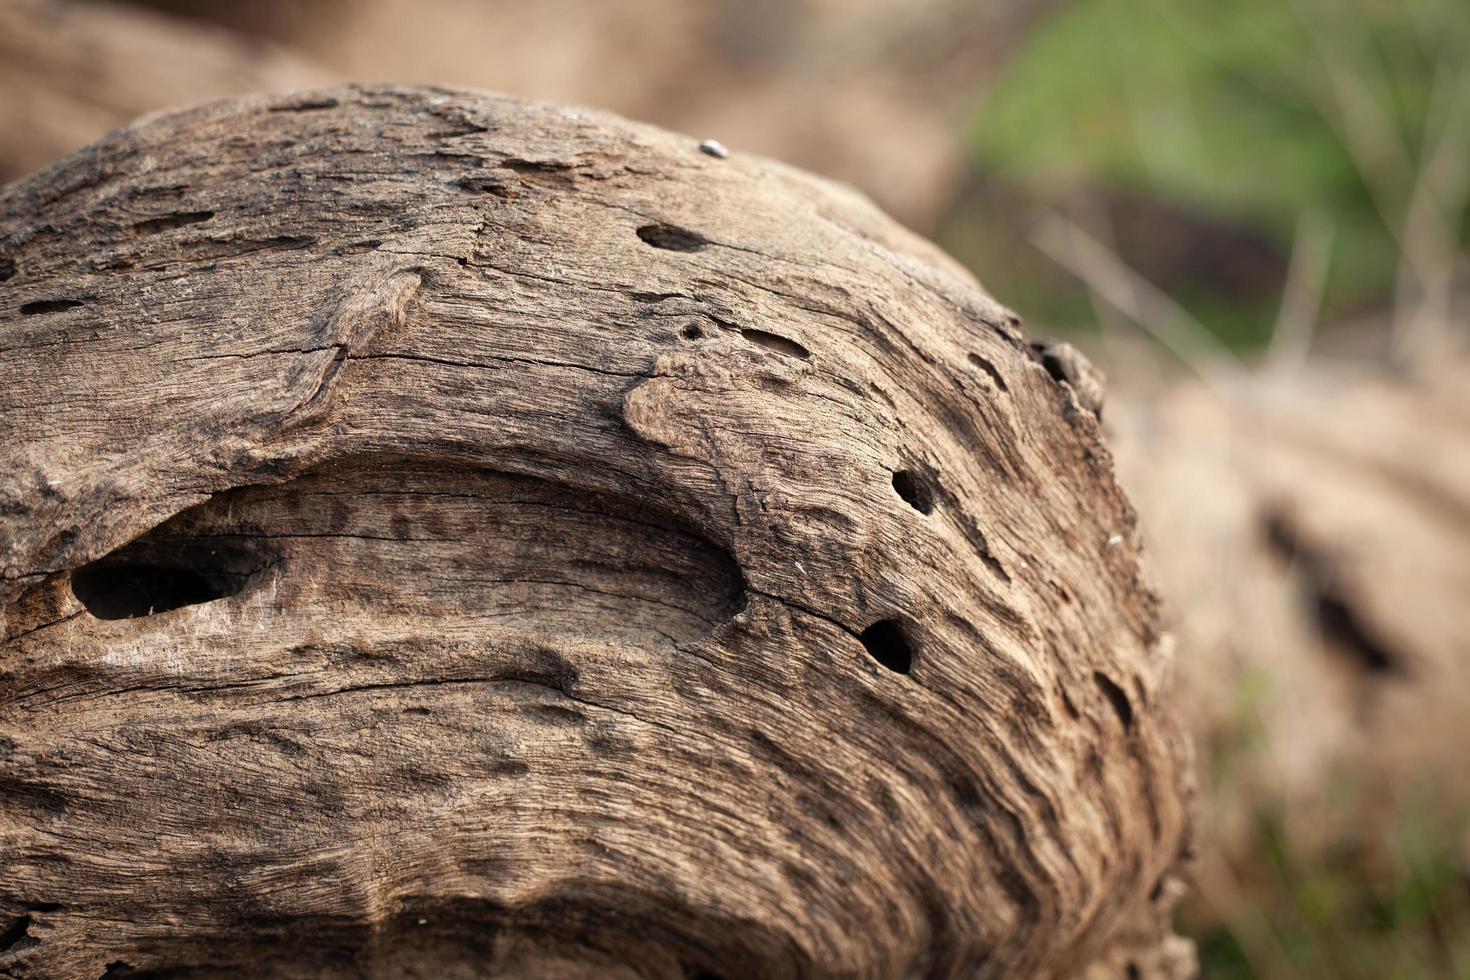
x=445, y=535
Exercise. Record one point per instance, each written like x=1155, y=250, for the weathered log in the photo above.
x=446, y=535
x=1312, y=534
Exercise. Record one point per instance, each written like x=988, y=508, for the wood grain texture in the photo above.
x=445, y=535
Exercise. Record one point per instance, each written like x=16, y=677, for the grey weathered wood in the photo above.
x=549, y=481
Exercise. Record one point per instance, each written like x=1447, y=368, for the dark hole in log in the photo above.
x=991, y=370
x=777, y=343
x=170, y=221
x=48, y=306
x=1116, y=697
x=15, y=934
x=1045, y=354
x=124, y=591
x=692, y=332
x=170, y=567
x=484, y=185
x=1340, y=622
x=886, y=643
x=672, y=238
x=1338, y=618
x=307, y=104
x=914, y=491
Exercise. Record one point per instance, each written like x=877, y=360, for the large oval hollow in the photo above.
x=420, y=540
x=125, y=591
x=161, y=571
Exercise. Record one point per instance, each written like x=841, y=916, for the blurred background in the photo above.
x=1251, y=215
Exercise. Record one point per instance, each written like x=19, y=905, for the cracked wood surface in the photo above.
x=445, y=536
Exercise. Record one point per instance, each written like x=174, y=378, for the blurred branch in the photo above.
x=1421, y=202
x=1106, y=275
x=1110, y=322
x=1348, y=104
x=1222, y=890
x=1301, y=299
x=1431, y=232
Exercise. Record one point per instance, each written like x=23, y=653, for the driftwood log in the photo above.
x=1312, y=534
x=450, y=536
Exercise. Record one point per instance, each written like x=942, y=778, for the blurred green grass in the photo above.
x=1248, y=115
x=1352, y=899
x=1197, y=138
x=1369, y=882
